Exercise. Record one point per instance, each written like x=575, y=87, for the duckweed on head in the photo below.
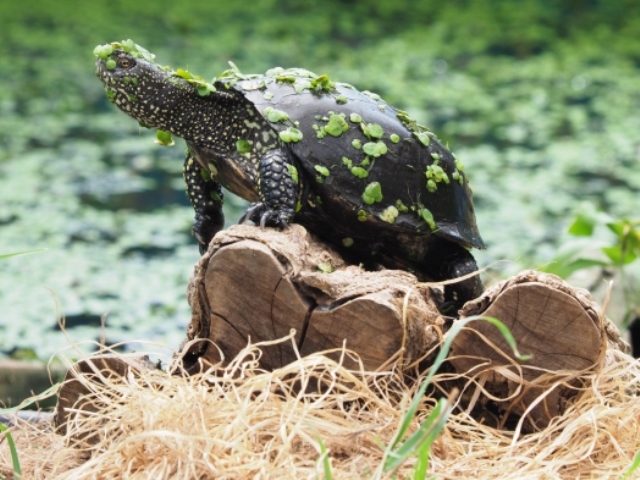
x=243, y=146
x=164, y=138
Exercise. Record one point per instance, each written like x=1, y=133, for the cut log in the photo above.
x=256, y=285
x=558, y=325
x=77, y=397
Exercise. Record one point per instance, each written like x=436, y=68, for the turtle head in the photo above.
x=156, y=96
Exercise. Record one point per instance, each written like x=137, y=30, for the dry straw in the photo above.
x=242, y=422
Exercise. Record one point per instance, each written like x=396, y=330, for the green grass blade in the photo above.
x=14, y=452
x=326, y=464
x=422, y=465
x=440, y=358
x=25, y=252
x=49, y=392
x=634, y=466
x=421, y=440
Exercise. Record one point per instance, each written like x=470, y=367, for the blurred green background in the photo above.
x=540, y=99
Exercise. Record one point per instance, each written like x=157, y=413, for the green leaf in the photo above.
x=564, y=270
x=355, y=118
x=582, y=225
x=628, y=234
x=394, y=138
x=619, y=256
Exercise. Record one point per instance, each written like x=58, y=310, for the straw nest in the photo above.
x=242, y=422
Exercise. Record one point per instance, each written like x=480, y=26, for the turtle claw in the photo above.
x=259, y=214
x=252, y=212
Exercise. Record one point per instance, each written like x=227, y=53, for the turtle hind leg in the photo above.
x=453, y=261
x=206, y=198
x=278, y=187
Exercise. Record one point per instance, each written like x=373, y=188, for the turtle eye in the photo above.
x=125, y=62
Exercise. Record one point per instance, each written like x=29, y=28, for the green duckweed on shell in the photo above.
x=371, y=95
x=110, y=64
x=347, y=242
x=375, y=149
x=325, y=267
x=355, y=118
x=401, y=206
x=293, y=171
x=427, y=216
x=324, y=171
x=359, y=172
x=389, y=214
x=337, y=125
x=275, y=116
x=372, y=193
x=423, y=138
x=290, y=135
x=372, y=130
x=394, y=138
x=357, y=144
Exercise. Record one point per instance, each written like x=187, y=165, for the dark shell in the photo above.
x=401, y=171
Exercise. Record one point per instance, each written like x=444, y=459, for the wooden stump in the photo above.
x=260, y=285
x=78, y=398
x=257, y=285
x=560, y=326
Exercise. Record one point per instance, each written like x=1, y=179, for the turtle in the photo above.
x=304, y=149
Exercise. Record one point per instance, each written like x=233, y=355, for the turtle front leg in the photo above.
x=206, y=197
x=278, y=189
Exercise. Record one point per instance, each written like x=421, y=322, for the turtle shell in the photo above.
x=367, y=165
